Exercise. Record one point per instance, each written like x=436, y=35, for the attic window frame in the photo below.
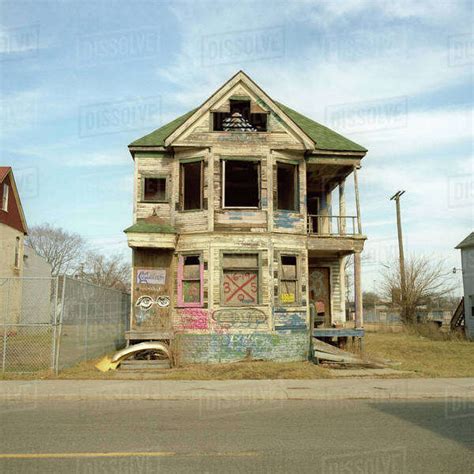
x=154, y=176
x=259, y=181
x=224, y=115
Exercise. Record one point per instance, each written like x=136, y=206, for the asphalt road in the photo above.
x=237, y=436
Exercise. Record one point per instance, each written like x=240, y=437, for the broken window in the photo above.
x=240, y=118
x=190, y=275
x=240, y=279
x=288, y=279
x=17, y=252
x=287, y=186
x=241, y=183
x=154, y=189
x=191, y=186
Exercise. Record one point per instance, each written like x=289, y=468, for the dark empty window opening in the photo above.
x=287, y=177
x=154, y=189
x=191, y=186
x=239, y=119
x=241, y=183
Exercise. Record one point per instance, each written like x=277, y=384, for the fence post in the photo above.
x=87, y=329
x=58, y=342
x=55, y=323
x=7, y=300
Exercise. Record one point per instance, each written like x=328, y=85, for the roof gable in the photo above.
x=313, y=135
x=467, y=242
x=14, y=216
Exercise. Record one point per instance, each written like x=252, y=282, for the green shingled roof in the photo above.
x=158, y=137
x=467, y=242
x=325, y=138
x=142, y=226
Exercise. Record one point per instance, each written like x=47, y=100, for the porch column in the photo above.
x=356, y=190
x=359, y=319
x=342, y=207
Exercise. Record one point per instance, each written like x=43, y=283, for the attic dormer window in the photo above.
x=240, y=117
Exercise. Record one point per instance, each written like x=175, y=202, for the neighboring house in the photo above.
x=467, y=262
x=12, y=232
x=241, y=230
x=37, y=290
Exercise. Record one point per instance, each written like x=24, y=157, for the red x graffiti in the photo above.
x=240, y=288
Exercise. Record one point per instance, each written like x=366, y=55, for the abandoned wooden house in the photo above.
x=236, y=240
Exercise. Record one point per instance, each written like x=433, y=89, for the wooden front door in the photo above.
x=320, y=293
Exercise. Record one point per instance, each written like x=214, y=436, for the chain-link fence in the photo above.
x=53, y=323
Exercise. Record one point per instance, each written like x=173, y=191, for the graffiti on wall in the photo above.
x=192, y=318
x=241, y=318
x=240, y=288
x=289, y=320
x=151, y=277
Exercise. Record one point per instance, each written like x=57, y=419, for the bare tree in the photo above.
x=426, y=279
x=60, y=248
x=110, y=272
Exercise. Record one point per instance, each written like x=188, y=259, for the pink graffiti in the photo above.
x=192, y=318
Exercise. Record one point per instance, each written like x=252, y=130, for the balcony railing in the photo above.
x=332, y=225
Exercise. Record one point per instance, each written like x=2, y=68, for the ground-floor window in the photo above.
x=190, y=281
x=240, y=279
x=288, y=279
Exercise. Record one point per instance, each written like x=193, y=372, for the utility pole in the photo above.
x=396, y=197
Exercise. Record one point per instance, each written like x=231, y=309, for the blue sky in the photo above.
x=81, y=80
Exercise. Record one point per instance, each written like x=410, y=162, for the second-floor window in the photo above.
x=241, y=184
x=5, y=197
x=154, y=189
x=191, y=186
x=287, y=187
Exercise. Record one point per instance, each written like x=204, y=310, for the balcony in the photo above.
x=328, y=225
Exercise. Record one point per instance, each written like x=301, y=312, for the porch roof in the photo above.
x=144, y=226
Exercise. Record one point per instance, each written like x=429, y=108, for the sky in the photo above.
x=80, y=80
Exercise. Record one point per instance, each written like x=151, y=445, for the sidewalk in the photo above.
x=324, y=389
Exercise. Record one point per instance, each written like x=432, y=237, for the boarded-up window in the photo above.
x=287, y=178
x=241, y=183
x=191, y=186
x=288, y=279
x=240, y=279
x=154, y=189
x=190, y=289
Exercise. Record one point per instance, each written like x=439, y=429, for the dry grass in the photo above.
x=423, y=355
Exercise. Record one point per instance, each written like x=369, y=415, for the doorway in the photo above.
x=320, y=294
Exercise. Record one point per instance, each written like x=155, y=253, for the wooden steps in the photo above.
x=458, y=317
